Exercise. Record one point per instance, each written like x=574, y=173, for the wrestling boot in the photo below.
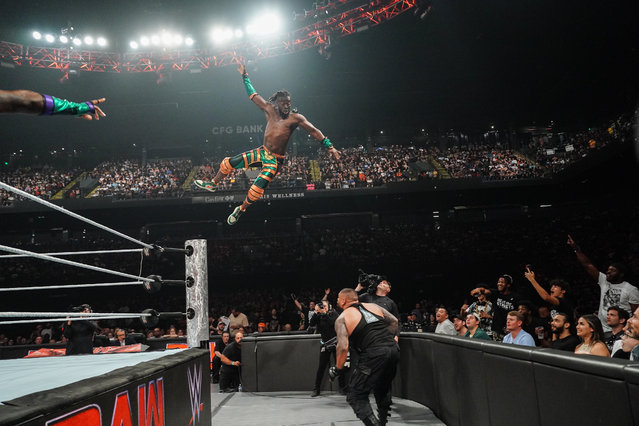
x=206, y=185
x=316, y=392
x=235, y=216
x=371, y=421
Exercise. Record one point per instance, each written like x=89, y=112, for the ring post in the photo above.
x=197, y=295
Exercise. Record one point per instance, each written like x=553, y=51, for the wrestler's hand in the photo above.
x=334, y=153
x=97, y=113
x=334, y=372
x=241, y=68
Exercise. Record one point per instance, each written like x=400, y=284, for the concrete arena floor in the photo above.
x=298, y=408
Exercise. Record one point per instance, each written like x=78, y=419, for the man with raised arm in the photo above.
x=281, y=121
x=370, y=330
x=615, y=291
x=28, y=102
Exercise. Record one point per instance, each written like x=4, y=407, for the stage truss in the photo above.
x=338, y=19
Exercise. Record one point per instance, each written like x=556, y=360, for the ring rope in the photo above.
x=105, y=317
x=72, y=263
x=70, y=314
x=73, y=253
x=72, y=214
x=53, y=287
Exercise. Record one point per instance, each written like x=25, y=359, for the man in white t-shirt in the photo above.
x=614, y=290
x=444, y=325
x=236, y=320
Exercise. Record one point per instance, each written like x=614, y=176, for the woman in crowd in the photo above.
x=590, y=331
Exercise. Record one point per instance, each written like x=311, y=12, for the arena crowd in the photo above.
x=539, y=156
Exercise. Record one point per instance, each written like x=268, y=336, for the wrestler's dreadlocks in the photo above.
x=278, y=94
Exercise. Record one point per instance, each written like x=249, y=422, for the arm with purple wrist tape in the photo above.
x=55, y=106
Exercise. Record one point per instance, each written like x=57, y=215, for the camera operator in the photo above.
x=79, y=334
x=377, y=291
x=324, y=322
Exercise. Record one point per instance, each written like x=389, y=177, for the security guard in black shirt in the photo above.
x=324, y=323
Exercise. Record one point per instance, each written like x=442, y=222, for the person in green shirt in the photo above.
x=474, y=332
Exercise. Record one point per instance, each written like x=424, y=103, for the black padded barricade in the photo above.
x=472, y=382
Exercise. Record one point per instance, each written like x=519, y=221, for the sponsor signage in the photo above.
x=177, y=395
x=238, y=130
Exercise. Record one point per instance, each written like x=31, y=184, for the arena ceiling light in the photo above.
x=77, y=41
x=263, y=25
x=163, y=39
x=167, y=38
x=63, y=39
x=88, y=40
x=133, y=44
x=102, y=41
x=36, y=35
x=221, y=35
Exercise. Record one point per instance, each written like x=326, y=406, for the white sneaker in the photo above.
x=234, y=217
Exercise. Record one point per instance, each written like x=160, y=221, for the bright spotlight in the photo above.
x=49, y=38
x=88, y=40
x=177, y=39
x=220, y=35
x=144, y=41
x=239, y=33
x=102, y=41
x=133, y=44
x=266, y=24
x=155, y=40
x=166, y=39
x=188, y=41
x=37, y=35
x=63, y=39
x=77, y=41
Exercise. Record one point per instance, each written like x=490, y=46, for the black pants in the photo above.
x=229, y=377
x=324, y=361
x=375, y=371
x=215, y=369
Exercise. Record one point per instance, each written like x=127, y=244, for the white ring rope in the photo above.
x=70, y=213
x=105, y=317
x=84, y=315
x=52, y=287
x=71, y=263
x=74, y=253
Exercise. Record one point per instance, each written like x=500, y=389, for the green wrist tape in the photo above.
x=55, y=105
x=249, y=87
x=327, y=143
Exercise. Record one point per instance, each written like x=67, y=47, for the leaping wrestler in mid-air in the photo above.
x=280, y=124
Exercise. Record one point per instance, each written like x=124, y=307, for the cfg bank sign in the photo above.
x=238, y=130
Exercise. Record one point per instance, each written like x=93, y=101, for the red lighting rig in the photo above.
x=339, y=21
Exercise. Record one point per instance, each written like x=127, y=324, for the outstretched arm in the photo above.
x=319, y=136
x=530, y=276
x=252, y=94
x=225, y=360
x=583, y=259
x=29, y=102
